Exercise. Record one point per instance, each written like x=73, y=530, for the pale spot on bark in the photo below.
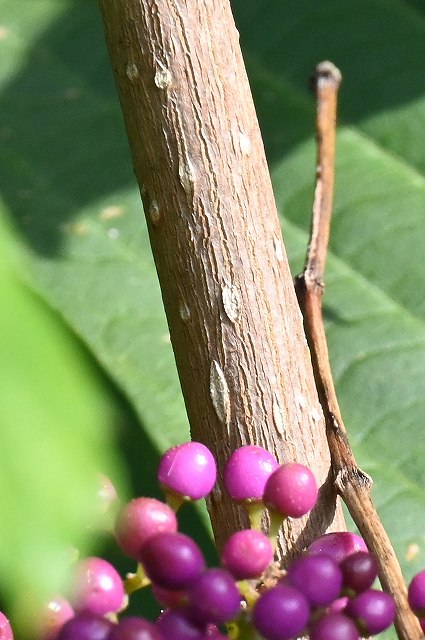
x=245, y=144
x=184, y=312
x=131, y=71
x=231, y=302
x=154, y=213
x=187, y=175
x=278, y=249
x=219, y=392
x=162, y=77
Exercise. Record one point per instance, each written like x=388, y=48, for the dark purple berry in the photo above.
x=319, y=578
x=139, y=520
x=337, y=545
x=5, y=628
x=214, y=597
x=247, y=554
x=169, y=597
x=86, y=626
x=188, y=470
x=372, y=611
x=172, y=560
x=416, y=594
x=359, y=571
x=291, y=490
x=97, y=587
x=334, y=626
x=247, y=471
x=175, y=625
x=52, y=618
x=281, y=613
x=135, y=628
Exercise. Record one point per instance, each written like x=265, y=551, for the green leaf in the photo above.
x=69, y=190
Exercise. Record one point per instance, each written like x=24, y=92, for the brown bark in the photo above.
x=235, y=325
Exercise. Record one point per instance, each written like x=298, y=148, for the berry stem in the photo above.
x=352, y=483
x=276, y=520
x=255, y=511
x=135, y=581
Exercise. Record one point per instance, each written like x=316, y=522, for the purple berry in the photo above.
x=214, y=597
x=5, y=628
x=139, y=520
x=281, y=613
x=247, y=471
x=291, y=490
x=97, y=587
x=334, y=626
x=172, y=560
x=135, y=628
x=416, y=594
x=52, y=618
x=337, y=545
x=319, y=578
x=176, y=625
x=359, y=571
x=188, y=470
x=372, y=611
x=86, y=626
x=247, y=554
x=169, y=597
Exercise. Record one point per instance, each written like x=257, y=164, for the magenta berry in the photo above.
x=372, y=611
x=337, y=545
x=5, y=628
x=188, y=470
x=139, y=520
x=416, y=594
x=334, y=626
x=52, y=617
x=291, y=490
x=247, y=472
x=97, y=587
x=172, y=560
x=281, y=613
x=135, y=628
x=247, y=554
x=214, y=597
x=319, y=578
x=176, y=625
x=86, y=626
x=169, y=597
x=359, y=570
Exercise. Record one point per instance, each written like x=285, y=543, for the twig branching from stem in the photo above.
x=352, y=483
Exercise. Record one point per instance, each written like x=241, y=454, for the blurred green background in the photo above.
x=88, y=379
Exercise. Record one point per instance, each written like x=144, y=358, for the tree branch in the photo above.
x=352, y=483
x=234, y=321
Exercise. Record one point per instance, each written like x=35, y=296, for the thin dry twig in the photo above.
x=352, y=483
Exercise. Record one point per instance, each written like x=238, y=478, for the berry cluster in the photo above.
x=327, y=593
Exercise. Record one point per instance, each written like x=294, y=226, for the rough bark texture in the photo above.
x=235, y=325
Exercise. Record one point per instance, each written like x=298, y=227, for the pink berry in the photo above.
x=5, y=628
x=139, y=520
x=291, y=490
x=247, y=472
x=247, y=554
x=53, y=616
x=338, y=545
x=188, y=470
x=97, y=587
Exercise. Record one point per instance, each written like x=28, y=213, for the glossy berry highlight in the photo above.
x=337, y=545
x=373, y=611
x=97, y=587
x=334, y=626
x=214, y=597
x=291, y=490
x=139, y=520
x=172, y=560
x=319, y=578
x=188, y=470
x=246, y=554
x=281, y=613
